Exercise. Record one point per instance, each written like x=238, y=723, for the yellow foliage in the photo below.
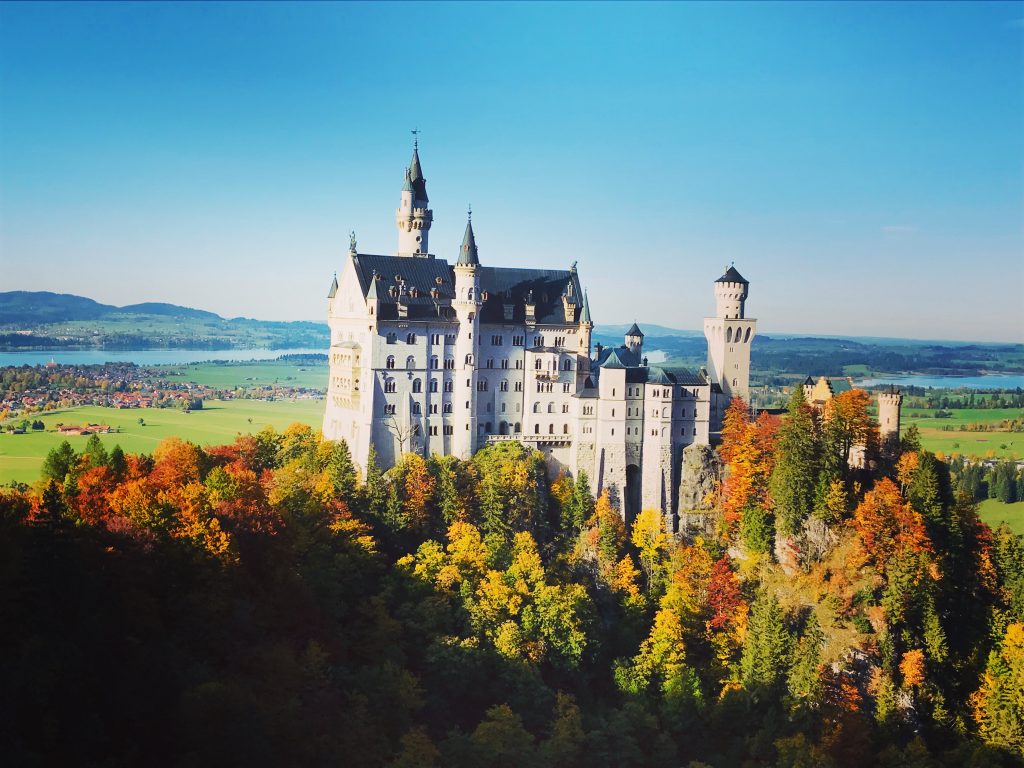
x=912, y=668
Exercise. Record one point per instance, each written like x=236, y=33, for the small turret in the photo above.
x=585, y=331
x=730, y=294
x=468, y=256
x=635, y=340
x=413, y=216
x=466, y=305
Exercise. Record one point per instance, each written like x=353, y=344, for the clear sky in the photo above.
x=862, y=164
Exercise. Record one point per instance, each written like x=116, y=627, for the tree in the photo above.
x=847, y=423
x=651, y=541
x=95, y=455
x=999, y=704
x=766, y=652
x=59, y=461
x=797, y=458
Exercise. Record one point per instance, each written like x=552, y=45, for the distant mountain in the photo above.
x=43, y=319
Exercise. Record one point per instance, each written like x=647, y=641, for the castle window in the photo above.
x=449, y=386
x=536, y=429
x=481, y=386
x=449, y=338
x=734, y=382
x=502, y=407
x=410, y=362
x=410, y=339
x=449, y=363
x=504, y=385
x=449, y=429
x=565, y=429
x=551, y=429
x=519, y=364
x=565, y=387
x=389, y=385
x=504, y=363
x=537, y=364
x=551, y=407
x=433, y=431
x=728, y=334
x=435, y=338
x=565, y=407
x=517, y=341
x=469, y=359
x=416, y=409
x=567, y=365
x=536, y=407
x=490, y=362
x=559, y=341
x=390, y=362
x=538, y=341
x=434, y=362
x=389, y=409
x=447, y=408
x=417, y=386
x=518, y=428
x=392, y=338
x=496, y=341
x=746, y=336
x=519, y=386
x=433, y=408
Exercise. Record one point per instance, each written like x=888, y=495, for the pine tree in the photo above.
x=766, y=652
x=797, y=459
x=59, y=461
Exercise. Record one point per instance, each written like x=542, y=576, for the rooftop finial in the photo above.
x=352, y=241
x=469, y=212
x=415, y=138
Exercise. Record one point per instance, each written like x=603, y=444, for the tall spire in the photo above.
x=467, y=254
x=419, y=184
x=585, y=315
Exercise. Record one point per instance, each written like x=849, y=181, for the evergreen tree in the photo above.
x=95, y=454
x=59, y=461
x=797, y=461
x=766, y=650
x=117, y=461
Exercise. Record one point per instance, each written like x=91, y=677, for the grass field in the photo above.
x=978, y=444
x=228, y=375
x=995, y=512
x=21, y=456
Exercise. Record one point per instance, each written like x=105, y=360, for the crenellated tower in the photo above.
x=729, y=334
x=889, y=404
x=467, y=309
x=413, y=216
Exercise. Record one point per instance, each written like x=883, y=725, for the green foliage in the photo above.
x=59, y=462
x=766, y=652
x=797, y=463
x=757, y=529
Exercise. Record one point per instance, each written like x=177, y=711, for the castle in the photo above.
x=431, y=357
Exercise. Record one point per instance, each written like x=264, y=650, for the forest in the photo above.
x=263, y=603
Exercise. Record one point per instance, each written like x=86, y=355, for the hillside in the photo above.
x=41, y=319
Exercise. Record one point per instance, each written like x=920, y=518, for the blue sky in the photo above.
x=862, y=164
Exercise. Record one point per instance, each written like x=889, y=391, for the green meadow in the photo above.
x=994, y=512
x=21, y=456
x=253, y=374
x=1000, y=445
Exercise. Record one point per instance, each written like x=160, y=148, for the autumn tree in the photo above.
x=795, y=473
x=999, y=703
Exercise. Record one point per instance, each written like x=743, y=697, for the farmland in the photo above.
x=21, y=456
x=995, y=512
x=950, y=435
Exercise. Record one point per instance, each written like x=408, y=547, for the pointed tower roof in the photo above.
x=415, y=175
x=585, y=314
x=334, y=287
x=613, y=360
x=467, y=253
x=635, y=331
x=373, y=292
x=732, y=276
x=408, y=187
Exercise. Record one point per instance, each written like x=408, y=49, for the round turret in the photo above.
x=730, y=294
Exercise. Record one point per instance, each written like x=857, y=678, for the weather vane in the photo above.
x=352, y=241
x=415, y=138
x=469, y=212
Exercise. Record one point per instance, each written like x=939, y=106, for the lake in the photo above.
x=990, y=381
x=145, y=356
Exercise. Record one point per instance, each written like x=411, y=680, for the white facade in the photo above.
x=428, y=357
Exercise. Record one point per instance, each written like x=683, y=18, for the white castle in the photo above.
x=429, y=357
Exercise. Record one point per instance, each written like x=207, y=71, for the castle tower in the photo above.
x=889, y=404
x=467, y=309
x=729, y=334
x=635, y=340
x=413, y=218
x=586, y=330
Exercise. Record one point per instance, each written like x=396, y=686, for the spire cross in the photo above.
x=415, y=138
x=469, y=212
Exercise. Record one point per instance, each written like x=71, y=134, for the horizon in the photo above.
x=216, y=156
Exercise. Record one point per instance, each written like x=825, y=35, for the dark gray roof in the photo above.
x=467, y=253
x=732, y=276
x=612, y=360
x=419, y=184
x=656, y=375
x=334, y=288
x=509, y=285
x=409, y=279
x=623, y=356
x=585, y=316
x=635, y=331
x=687, y=378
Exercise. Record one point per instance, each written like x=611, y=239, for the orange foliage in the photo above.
x=912, y=667
x=177, y=463
x=751, y=455
x=888, y=526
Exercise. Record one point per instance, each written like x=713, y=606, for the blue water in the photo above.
x=145, y=356
x=991, y=381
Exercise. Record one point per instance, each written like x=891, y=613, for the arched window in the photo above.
x=518, y=428
x=417, y=386
x=728, y=334
x=389, y=385
x=536, y=364
x=536, y=429
x=433, y=361
x=567, y=365
x=390, y=362
x=416, y=409
x=565, y=429
x=433, y=385
x=449, y=386
x=536, y=407
x=746, y=336
x=504, y=385
x=447, y=408
x=469, y=359
x=410, y=362
x=410, y=338
x=551, y=429
x=551, y=407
